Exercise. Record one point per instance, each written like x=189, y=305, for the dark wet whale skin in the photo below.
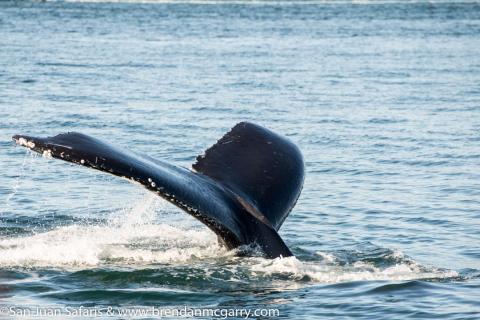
x=243, y=187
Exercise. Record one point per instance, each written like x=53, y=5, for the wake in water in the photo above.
x=133, y=239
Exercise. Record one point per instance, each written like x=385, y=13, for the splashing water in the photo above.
x=359, y=271
x=26, y=162
x=129, y=237
x=132, y=238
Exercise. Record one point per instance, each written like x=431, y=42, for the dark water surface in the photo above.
x=383, y=100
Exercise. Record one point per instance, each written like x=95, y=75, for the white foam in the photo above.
x=92, y=246
x=130, y=237
x=359, y=271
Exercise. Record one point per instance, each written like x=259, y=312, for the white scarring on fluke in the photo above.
x=47, y=154
x=24, y=142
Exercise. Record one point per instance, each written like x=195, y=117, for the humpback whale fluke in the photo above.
x=242, y=188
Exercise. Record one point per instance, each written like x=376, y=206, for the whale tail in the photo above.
x=263, y=168
x=242, y=188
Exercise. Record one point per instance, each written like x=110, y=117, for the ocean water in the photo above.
x=383, y=99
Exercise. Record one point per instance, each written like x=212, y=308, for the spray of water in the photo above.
x=133, y=237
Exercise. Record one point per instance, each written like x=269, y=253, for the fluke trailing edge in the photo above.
x=242, y=188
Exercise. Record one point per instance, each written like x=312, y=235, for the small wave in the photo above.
x=359, y=271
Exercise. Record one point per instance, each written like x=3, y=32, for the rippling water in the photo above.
x=382, y=99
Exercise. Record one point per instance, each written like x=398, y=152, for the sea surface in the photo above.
x=383, y=99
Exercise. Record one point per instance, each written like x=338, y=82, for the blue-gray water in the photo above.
x=382, y=99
